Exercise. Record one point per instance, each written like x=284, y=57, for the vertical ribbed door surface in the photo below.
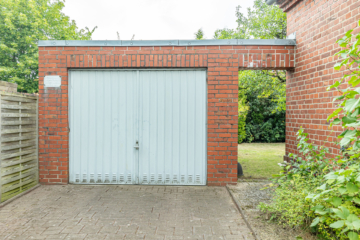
x=138, y=127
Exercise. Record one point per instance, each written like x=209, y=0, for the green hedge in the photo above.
x=261, y=123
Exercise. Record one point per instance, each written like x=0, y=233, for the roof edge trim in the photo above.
x=192, y=42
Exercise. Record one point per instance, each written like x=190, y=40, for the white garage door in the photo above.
x=138, y=127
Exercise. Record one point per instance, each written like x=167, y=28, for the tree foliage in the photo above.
x=199, y=34
x=265, y=84
x=266, y=21
x=22, y=24
x=262, y=22
x=241, y=32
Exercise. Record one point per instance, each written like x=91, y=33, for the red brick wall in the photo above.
x=318, y=24
x=222, y=63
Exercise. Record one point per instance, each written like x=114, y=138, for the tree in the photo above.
x=266, y=22
x=199, y=34
x=22, y=24
x=262, y=22
x=241, y=32
x=265, y=85
x=227, y=33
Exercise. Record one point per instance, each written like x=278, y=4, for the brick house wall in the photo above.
x=222, y=62
x=318, y=25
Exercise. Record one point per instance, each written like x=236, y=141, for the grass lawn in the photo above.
x=260, y=160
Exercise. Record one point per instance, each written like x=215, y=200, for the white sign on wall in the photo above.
x=52, y=81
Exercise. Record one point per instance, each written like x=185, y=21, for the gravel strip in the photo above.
x=249, y=193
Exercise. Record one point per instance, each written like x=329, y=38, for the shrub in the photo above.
x=241, y=127
x=242, y=110
x=289, y=206
x=295, y=182
x=263, y=122
x=339, y=197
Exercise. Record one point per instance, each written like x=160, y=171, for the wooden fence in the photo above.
x=18, y=144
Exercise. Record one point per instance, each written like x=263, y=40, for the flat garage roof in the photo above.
x=192, y=42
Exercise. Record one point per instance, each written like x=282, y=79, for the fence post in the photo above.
x=37, y=139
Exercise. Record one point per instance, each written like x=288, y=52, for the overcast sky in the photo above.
x=154, y=19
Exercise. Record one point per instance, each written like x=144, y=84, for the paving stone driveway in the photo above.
x=123, y=212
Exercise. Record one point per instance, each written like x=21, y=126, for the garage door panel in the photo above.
x=160, y=143
x=101, y=136
x=76, y=131
x=183, y=128
x=91, y=126
x=191, y=130
x=170, y=124
x=200, y=141
x=168, y=153
x=106, y=135
x=122, y=131
x=144, y=137
x=175, y=140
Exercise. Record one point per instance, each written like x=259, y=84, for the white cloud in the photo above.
x=153, y=19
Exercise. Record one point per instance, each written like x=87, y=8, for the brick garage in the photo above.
x=222, y=60
x=318, y=25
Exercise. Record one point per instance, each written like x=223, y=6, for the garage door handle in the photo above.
x=136, y=145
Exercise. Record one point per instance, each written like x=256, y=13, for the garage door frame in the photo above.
x=137, y=160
